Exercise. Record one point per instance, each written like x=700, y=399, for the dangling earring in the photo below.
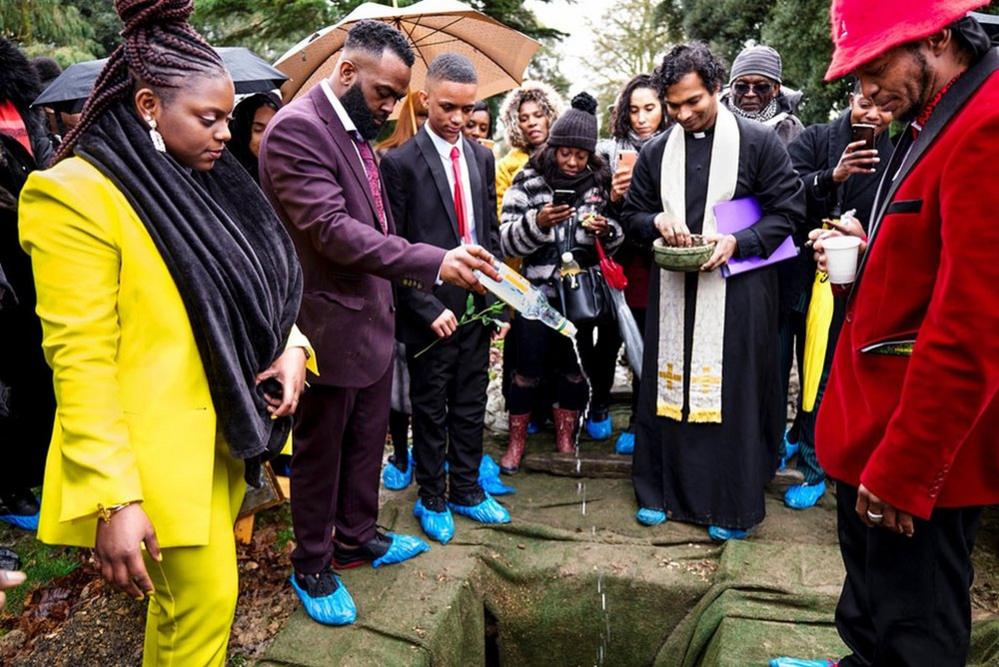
x=156, y=137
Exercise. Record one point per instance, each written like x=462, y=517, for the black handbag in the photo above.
x=584, y=295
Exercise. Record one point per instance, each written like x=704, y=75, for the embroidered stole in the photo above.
x=705, y=371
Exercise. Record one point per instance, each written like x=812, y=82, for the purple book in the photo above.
x=735, y=215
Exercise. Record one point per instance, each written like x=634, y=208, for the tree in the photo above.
x=48, y=27
x=725, y=25
x=546, y=66
x=630, y=39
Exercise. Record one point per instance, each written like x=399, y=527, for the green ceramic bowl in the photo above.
x=682, y=259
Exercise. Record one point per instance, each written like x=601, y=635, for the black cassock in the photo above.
x=714, y=474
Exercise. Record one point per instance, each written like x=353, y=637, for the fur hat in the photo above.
x=529, y=91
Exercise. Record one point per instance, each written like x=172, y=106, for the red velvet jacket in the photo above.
x=920, y=429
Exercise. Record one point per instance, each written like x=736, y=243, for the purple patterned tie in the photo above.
x=374, y=181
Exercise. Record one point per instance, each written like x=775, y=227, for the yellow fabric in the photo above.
x=191, y=611
x=135, y=420
x=817, y=322
x=506, y=169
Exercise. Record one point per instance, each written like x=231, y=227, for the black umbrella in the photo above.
x=990, y=23
x=69, y=90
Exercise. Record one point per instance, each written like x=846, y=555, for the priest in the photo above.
x=707, y=429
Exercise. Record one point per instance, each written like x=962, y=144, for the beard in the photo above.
x=357, y=109
x=918, y=90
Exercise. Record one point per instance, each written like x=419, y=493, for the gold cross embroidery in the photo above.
x=670, y=376
x=705, y=381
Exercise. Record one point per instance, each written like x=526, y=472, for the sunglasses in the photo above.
x=761, y=89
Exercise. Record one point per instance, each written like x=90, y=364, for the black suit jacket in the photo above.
x=423, y=208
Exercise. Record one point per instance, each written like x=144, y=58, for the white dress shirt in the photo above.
x=443, y=149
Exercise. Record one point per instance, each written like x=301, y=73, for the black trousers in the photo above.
x=906, y=601
x=447, y=388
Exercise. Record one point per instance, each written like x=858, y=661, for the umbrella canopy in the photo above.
x=500, y=54
x=69, y=90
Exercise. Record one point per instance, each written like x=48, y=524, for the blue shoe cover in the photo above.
x=801, y=662
x=803, y=496
x=489, y=478
x=396, y=480
x=599, y=429
x=337, y=608
x=650, y=517
x=403, y=547
x=437, y=525
x=790, y=449
x=719, y=534
x=533, y=428
x=488, y=511
x=625, y=443
x=23, y=521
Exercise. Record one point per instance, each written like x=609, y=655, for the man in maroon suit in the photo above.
x=908, y=424
x=319, y=171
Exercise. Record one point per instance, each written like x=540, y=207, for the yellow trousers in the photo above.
x=190, y=614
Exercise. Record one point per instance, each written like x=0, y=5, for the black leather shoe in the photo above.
x=345, y=558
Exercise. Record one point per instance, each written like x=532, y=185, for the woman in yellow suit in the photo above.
x=167, y=292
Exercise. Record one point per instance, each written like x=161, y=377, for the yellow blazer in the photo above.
x=134, y=418
x=506, y=169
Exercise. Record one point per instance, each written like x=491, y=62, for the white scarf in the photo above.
x=709, y=314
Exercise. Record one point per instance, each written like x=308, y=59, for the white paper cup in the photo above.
x=841, y=258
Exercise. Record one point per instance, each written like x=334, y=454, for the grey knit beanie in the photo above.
x=759, y=60
x=577, y=127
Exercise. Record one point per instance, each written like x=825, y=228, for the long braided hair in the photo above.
x=159, y=49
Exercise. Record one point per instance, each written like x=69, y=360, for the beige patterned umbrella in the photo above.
x=500, y=54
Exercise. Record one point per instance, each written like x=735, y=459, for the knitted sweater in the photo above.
x=520, y=235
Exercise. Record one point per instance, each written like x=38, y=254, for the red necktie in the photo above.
x=374, y=181
x=459, y=200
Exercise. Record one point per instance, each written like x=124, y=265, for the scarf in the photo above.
x=638, y=142
x=705, y=404
x=232, y=261
x=764, y=115
x=580, y=183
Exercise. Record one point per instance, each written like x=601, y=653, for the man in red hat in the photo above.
x=909, y=421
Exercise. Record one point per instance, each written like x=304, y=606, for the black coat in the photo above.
x=19, y=84
x=423, y=208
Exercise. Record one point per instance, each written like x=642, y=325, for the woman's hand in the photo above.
x=596, y=224
x=673, y=231
x=620, y=183
x=289, y=370
x=118, y=553
x=855, y=161
x=549, y=215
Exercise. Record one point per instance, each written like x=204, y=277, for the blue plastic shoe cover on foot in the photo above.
x=790, y=449
x=533, y=428
x=437, y=525
x=801, y=662
x=599, y=430
x=396, y=480
x=489, y=478
x=625, y=443
x=803, y=496
x=403, y=547
x=488, y=511
x=719, y=534
x=23, y=521
x=337, y=608
x=650, y=517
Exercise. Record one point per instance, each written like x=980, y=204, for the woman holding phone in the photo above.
x=638, y=117
x=557, y=201
x=841, y=172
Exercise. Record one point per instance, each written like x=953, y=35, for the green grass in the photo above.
x=41, y=562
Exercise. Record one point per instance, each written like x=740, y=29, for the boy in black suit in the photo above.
x=442, y=192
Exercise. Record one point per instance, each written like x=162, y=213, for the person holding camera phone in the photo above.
x=840, y=164
x=555, y=206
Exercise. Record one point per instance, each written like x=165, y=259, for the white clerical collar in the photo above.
x=338, y=108
x=699, y=135
x=441, y=144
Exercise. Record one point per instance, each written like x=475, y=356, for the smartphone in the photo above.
x=626, y=158
x=488, y=143
x=9, y=560
x=863, y=132
x=564, y=198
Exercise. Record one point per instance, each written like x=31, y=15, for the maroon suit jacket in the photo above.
x=311, y=174
x=912, y=405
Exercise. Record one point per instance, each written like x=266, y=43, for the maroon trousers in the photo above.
x=339, y=439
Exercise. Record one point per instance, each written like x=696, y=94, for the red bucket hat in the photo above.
x=862, y=30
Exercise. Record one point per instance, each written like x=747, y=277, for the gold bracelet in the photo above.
x=105, y=513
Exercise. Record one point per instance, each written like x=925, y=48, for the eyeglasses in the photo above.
x=761, y=89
